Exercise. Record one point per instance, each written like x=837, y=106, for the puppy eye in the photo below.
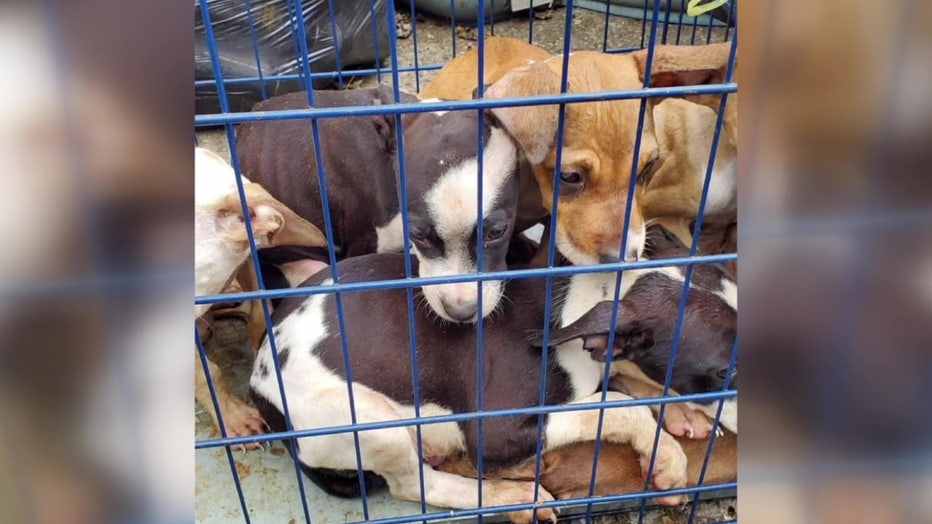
x=493, y=234
x=572, y=177
x=418, y=237
x=645, y=174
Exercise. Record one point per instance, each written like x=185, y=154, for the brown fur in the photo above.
x=591, y=218
x=566, y=472
x=463, y=75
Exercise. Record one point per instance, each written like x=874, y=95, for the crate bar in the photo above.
x=451, y=279
x=642, y=110
x=697, y=229
x=732, y=362
x=334, y=274
x=403, y=209
x=336, y=44
x=329, y=75
x=255, y=48
x=456, y=105
x=480, y=241
x=461, y=417
x=551, y=251
x=476, y=512
x=375, y=45
x=225, y=106
x=202, y=354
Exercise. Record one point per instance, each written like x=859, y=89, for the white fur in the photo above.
x=435, y=113
x=637, y=237
x=729, y=294
x=453, y=207
x=390, y=238
x=723, y=187
x=214, y=259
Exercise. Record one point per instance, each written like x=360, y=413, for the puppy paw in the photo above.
x=669, y=469
x=512, y=492
x=242, y=420
x=681, y=421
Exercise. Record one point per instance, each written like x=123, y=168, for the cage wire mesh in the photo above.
x=251, y=50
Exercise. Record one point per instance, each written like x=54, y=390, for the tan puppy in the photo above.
x=566, y=472
x=221, y=247
x=598, y=136
x=685, y=130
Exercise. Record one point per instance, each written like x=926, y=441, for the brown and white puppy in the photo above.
x=599, y=137
x=221, y=246
x=566, y=472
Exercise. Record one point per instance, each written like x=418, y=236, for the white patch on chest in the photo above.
x=390, y=237
x=435, y=113
x=723, y=189
x=583, y=293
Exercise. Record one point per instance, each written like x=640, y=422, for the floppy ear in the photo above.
x=475, y=92
x=273, y=223
x=534, y=128
x=630, y=333
x=687, y=65
x=662, y=240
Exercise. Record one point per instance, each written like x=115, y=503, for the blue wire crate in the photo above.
x=269, y=487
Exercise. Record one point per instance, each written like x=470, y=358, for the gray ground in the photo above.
x=228, y=344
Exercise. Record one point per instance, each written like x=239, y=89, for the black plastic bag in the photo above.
x=277, y=48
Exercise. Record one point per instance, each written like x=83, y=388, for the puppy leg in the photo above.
x=678, y=419
x=392, y=454
x=632, y=425
x=239, y=418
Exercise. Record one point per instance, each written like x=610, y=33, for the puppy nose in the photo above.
x=609, y=259
x=631, y=253
x=463, y=312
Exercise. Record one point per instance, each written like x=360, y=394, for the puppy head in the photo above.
x=598, y=148
x=217, y=201
x=647, y=316
x=441, y=169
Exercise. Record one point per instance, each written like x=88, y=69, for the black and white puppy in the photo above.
x=360, y=166
x=380, y=359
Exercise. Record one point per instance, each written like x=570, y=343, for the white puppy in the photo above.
x=221, y=247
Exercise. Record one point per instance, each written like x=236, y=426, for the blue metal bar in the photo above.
x=679, y=24
x=202, y=354
x=692, y=251
x=708, y=33
x=607, y=499
x=453, y=26
x=455, y=105
x=692, y=38
x=375, y=44
x=451, y=279
x=731, y=15
x=480, y=240
x=334, y=274
x=255, y=47
x=336, y=43
x=461, y=417
x=642, y=111
x=403, y=209
x=530, y=23
x=417, y=68
x=732, y=362
x=666, y=23
x=608, y=12
x=644, y=24
x=551, y=251
x=254, y=253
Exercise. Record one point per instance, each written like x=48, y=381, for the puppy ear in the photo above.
x=475, y=92
x=534, y=128
x=682, y=65
x=273, y=223
x=662, y=240
x=630, y=333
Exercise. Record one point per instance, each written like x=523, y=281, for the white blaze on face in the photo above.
x=453, y=207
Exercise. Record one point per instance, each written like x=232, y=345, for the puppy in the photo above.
x=221, y=246
x=441, y=185
x=566, y=472
x=598, y=136
x=447, y=369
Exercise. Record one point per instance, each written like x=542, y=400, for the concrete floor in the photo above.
x=268, y=477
